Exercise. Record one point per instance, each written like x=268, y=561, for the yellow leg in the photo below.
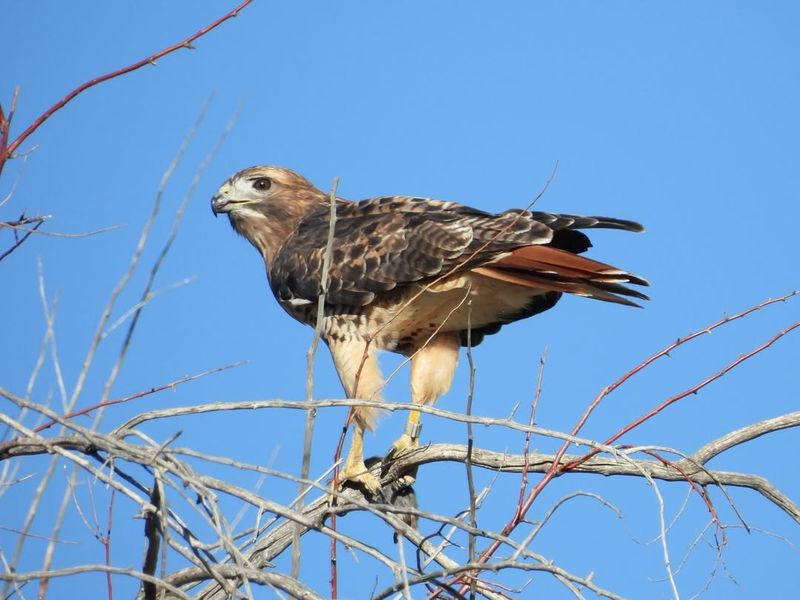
x=432, y=370
x=354, y=468
x=361, y=378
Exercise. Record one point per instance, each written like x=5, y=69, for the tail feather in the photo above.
x=548, y=268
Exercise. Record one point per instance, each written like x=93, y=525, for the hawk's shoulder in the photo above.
x=380, y=245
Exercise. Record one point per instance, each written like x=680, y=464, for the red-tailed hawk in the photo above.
x=411, y=275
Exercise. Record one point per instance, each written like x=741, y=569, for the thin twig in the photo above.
x=56, y=530
x=5, y=130
x=115, y=370
x=8, y=150
x=699, y=386
x=57, y=234
x=310, y=357
x=134, y=262
x=665, y=352
x=20, y=240
x=557, y=466
x=470, y=444
x=21, y=577
x=153, y=390
x=44, y=481
x=523, y=484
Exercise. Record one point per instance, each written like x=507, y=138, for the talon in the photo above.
x=407, y=480
x=360, y=475
x=403, y=443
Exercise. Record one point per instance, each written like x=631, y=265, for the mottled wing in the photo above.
x=383, y=244
x=379, y=246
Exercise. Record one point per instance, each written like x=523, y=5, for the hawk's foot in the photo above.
x=401, y=444
x=357, y=473
x=405, y=443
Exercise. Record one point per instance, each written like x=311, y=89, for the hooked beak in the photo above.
x=221, y=202
x=218, y=204
x=224, y=201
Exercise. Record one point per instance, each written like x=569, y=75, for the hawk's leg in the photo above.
x=354, y=467
x=361, y=377
x=432, y=368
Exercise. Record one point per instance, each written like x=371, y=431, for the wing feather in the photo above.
x=382, y=245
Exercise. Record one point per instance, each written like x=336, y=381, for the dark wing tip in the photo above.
x=624, y=224
x=559, y=221
x=636, y=227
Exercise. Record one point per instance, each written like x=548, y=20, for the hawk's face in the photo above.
x=258, y=190
x=265, y=204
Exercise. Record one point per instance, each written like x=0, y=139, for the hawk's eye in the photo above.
x=262, y=184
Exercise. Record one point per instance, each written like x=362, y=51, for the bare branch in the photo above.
x=56, y=234
x=115, y=370
x=22, y=577
x=745, y=434
x=153, y=390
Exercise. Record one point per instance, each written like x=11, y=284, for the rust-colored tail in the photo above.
x=551, y=269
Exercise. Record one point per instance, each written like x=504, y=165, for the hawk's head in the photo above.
x=265, y=204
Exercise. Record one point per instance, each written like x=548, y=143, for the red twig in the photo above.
x=334, y=582
x=523, y=486
x=557, y=468
x=336, y=456
x=688, y=392
x=5, y=128
x=665, y=352
x=706, y=498
x=8, y=150
x=106, y=541
x=136, y=396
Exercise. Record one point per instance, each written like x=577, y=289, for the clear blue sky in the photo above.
x=683, y=116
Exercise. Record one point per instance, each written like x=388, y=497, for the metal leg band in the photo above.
x=413, y=430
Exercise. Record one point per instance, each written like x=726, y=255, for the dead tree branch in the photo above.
x=276, y=538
